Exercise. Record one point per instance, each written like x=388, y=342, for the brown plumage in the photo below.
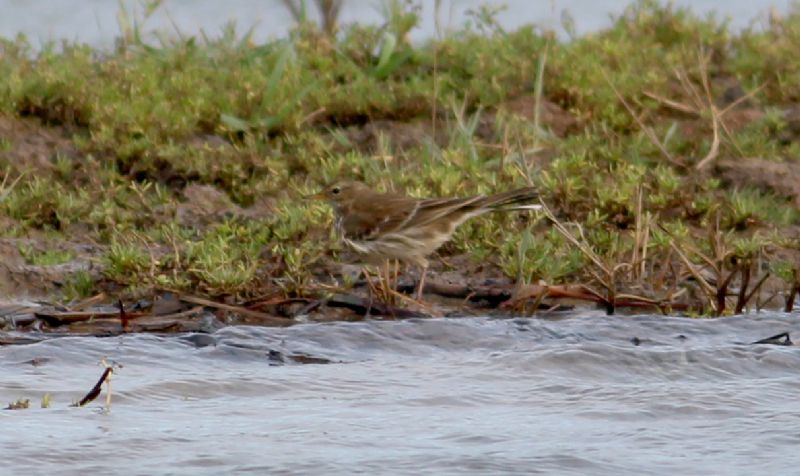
x=381, y=226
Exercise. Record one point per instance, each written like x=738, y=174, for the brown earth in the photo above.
x=780, y=178
x=32, y=148
x=19, y=279
x=406, y=135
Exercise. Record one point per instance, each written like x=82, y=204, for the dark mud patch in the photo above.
x=552, y=117
x=20, y=277
x=203, y=205
x=780, y=178
x=32, y=147
x=791, y=132
x=698, y=129
x=382, y=135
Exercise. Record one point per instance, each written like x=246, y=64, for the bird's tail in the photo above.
x=520, y=199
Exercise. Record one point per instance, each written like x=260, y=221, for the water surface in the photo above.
x=95, y=21
x=569, y=395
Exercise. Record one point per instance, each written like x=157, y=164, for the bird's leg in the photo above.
x=421, y=284
x=365, y=272
x=387, y=284
x=445, y=262
x=390, y=293
x=371, y=288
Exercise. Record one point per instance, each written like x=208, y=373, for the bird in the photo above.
x=381, y=226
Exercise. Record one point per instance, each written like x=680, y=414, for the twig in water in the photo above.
x=793, y=291
x=779, y=339
x=123, y=317
x=265, y=318
x=755, y=289
x=95, y=391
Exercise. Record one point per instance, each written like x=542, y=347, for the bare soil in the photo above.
x=33, y=146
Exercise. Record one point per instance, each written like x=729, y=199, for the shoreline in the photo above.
x=667, y=168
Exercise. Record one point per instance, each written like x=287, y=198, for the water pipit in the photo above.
x=384, y=226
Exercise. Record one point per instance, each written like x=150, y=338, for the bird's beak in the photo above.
x=315, y=196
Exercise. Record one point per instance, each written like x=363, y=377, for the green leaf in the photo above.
x=390, y=59
x=276, y=74
x=234, y=123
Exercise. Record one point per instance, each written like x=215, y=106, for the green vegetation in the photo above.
x=622, y=131
x=43, y=258
x=79, y=286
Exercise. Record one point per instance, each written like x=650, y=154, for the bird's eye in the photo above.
x=335, y=190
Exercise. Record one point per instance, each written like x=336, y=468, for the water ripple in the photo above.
x=448, y=396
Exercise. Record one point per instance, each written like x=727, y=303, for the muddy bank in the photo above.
x=447, y=294
x=667, y=172
x=459, y=285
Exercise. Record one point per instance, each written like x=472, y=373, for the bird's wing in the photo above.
x=371, y=218
x=387, y=213
x=434, y=209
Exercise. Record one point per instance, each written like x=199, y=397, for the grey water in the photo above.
x=567, y=395
x=96, y=21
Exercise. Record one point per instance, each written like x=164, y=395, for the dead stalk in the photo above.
x=793, y=291
x=713, y=152
x=647, y=130
x=328, y=10
x=609, y=281
x=707, y=288
x=741, y=298
x=756, y=289
x=638, y=264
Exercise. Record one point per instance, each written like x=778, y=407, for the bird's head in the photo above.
x=343, y=193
